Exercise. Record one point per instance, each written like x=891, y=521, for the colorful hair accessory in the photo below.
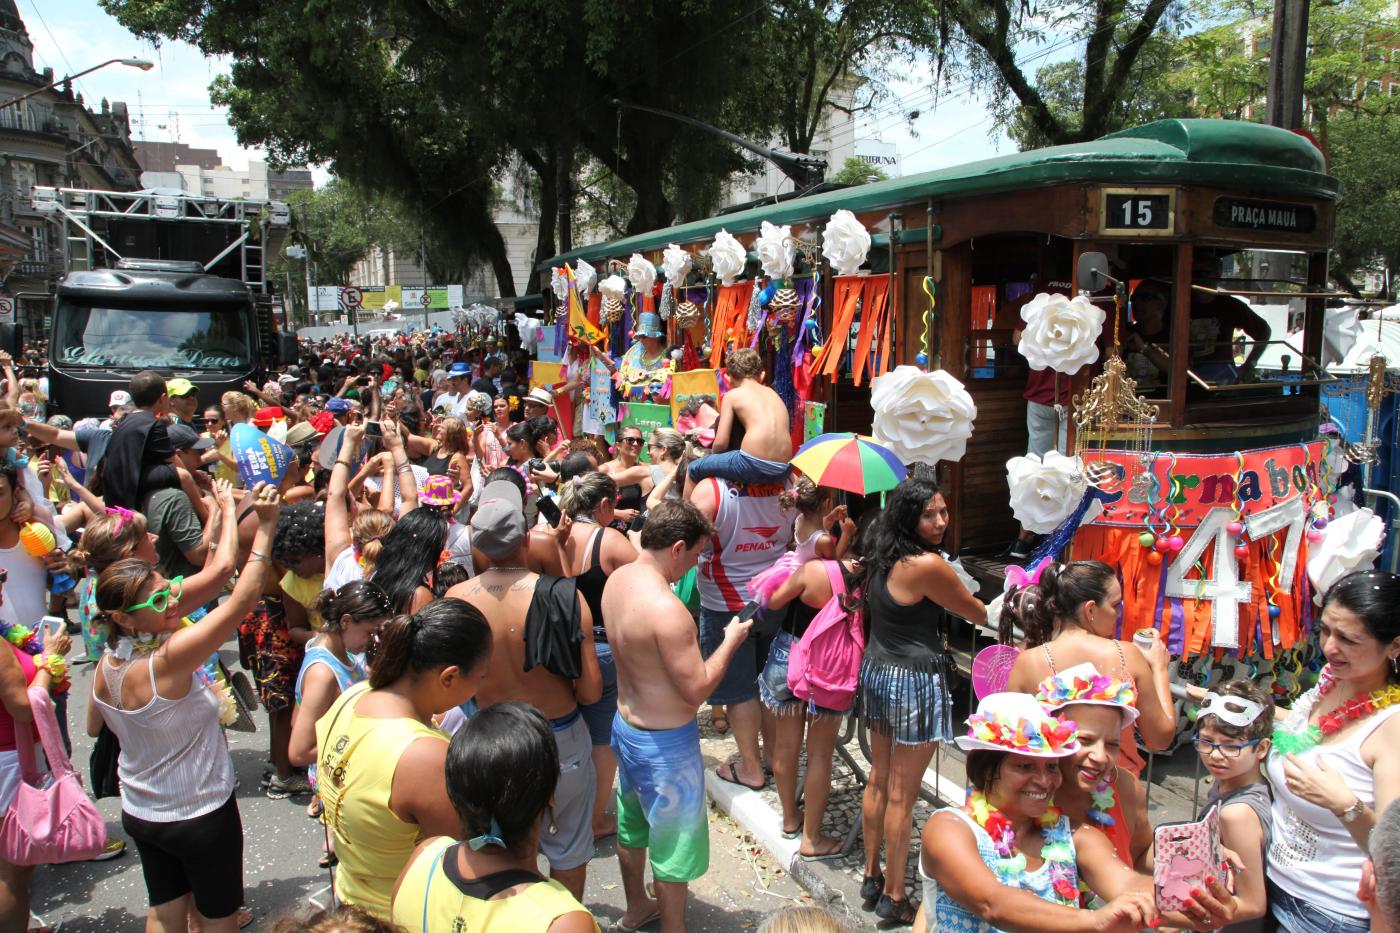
x=1015, y=722
x=27, y=640
x=123, y=515
x=1019, y=577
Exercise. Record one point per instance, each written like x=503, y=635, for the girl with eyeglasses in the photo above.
x=177, y=779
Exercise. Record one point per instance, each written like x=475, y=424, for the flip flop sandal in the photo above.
x=793, y=833
x=901, y=912
x=623, y=928
x=733, y=777
x=830, y=856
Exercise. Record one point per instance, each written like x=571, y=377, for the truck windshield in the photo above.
x=153, y=338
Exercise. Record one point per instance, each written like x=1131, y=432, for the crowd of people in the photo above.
x=481, y=640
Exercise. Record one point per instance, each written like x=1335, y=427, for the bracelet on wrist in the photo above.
x=255, y=555
x=57, y=667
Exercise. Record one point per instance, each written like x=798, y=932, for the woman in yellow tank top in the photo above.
x=502, y=768
x=380, y=761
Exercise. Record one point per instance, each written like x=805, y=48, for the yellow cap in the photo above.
x=179, y=387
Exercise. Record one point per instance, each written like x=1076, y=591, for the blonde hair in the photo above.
x=744, y=363
x=804, y=919
x=454, y=432
x=585, y=493
x=670, y=440
x=108, y=538
x=368, y=533
x=239, y=403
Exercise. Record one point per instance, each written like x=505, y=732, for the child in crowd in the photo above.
x=1232, y=738
x=759, y=447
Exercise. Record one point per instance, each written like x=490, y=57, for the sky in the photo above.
x=170, y=103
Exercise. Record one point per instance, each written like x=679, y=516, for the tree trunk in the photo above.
x=550, y=214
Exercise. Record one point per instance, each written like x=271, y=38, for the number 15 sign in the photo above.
x=1137, y=211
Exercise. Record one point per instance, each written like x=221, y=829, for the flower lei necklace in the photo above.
x=27, y=640
x=1295, y=741
x=1103, y=799
x=1010, y=867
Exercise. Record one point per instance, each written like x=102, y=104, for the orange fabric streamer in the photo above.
x=874, y=316
x=845, y=298
x=730, y=324
x=1142, y=581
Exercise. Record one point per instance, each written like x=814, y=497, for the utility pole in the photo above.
x=1288, y=61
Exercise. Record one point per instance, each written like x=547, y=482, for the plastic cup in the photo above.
x=1143, y=638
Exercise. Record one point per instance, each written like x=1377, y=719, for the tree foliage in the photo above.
x=982, y=41
x=857, y=172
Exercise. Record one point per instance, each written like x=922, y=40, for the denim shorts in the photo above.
x=773, y=688
x=910, y=706
x=1298, y=916
x=599, y=716
x=740, y=682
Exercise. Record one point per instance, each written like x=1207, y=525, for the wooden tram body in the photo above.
x=1151, y=198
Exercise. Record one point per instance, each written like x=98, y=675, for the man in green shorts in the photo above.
x=661, y=680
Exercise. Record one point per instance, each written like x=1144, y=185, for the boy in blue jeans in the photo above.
x=759, y=448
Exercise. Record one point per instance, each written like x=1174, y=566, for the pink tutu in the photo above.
x=765, y=583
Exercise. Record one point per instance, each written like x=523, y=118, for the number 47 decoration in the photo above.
x=1222, y=587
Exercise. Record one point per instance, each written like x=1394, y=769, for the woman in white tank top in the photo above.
x=177, y=779
x=1329, y=756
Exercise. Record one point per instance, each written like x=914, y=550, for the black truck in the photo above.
x=210, y=321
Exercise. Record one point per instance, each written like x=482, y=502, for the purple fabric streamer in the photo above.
x=1176, y=637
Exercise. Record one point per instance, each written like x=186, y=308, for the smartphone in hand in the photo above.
x=550, y=510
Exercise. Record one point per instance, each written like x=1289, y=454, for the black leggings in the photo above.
x=202, y=855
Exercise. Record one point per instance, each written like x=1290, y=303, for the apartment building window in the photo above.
x=40, y=237
x=1373, y=88
x=1393, y=88
x=25, y=177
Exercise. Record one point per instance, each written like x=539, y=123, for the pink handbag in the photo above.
x=55, y=823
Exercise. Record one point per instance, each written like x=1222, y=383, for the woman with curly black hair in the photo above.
x=410, y=554
x=907, y=588
x=273, y=637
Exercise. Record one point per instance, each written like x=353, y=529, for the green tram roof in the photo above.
x=1247, y=157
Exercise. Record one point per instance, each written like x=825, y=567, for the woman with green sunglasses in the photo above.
x=177, y=779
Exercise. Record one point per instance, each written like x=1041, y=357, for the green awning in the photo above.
x=1222, y=153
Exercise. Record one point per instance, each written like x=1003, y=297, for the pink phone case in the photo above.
x=1185, y=854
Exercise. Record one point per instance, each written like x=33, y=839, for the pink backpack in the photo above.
x=824, y=667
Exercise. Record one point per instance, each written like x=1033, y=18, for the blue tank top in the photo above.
x=346, y=676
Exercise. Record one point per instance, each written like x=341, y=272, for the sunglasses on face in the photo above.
x=160, y=599
x=634, y=441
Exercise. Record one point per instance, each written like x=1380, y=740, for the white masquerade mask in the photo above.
x=1237, y=711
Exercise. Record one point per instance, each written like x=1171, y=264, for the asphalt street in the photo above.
x=281, y=846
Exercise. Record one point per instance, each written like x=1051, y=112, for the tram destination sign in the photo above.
x=1273, y=216
x=1137, y=211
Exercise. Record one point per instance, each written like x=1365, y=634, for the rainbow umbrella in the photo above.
x=851, y=462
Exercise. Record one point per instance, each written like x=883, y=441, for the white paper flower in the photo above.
x=775, y=250
x=845, y=242
x=641, y=273
x=614, y=286
x=1350, y=542
x=1061, y=333
x=559, y=282
x=1044, y=492
x=922, y=417
x=529, y=329
x=585, y=277
x=675, y=264
x=728, y=256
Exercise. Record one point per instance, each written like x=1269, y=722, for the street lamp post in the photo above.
x=129, y=62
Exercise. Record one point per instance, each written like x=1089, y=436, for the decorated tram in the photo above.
x=1113, y=284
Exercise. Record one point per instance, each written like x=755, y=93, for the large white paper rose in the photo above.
x=1061, y=333
x=585, y=277
x=675, y=264
x=922, y=417
x=775, y=250
x=558, y=281
x=1044, y=491
x=529, y=329
x=728, y=256
x=845, y=242
x=1350, y=542
x=641, y=273
x=614, y=286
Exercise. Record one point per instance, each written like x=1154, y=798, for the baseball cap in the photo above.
x=179, y=387
x=286, y=378
x=498, y=524
x=120, y=398
x=337, y=405
x=183, y=437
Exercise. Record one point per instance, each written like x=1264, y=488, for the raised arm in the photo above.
x=408, y=483
x=221, y=559
x=191, y=646
x=338, y=519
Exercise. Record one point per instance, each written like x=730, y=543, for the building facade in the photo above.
x=50, y=138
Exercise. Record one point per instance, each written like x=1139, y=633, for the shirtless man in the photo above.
x=503, y=594
x=763, y=430
x=661, y=679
